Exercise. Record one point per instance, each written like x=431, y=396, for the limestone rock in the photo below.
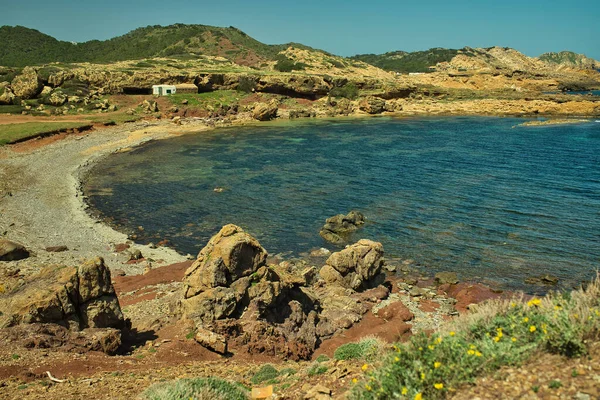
x=229, y=255
x=210, y=305
x=57, y=98
x=211, y=340
x=265, y=112
x=318, y=392
x=11, y=251
x=446, y=277
x=27, y=85
x=76, y=298
x=6, y=94
x=338, y=227
x=372, y=105
x=356, y=265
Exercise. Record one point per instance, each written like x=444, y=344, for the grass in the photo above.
x=266, y=373
x=367, y=349
x=112, y=119
x=202, y=100
x=497, y=334
x=198, y=389
x=11, y=133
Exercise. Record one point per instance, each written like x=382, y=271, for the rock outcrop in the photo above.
x=6, y=94
x=27, y=85
x=372, y=105
x=356, y=266
x=230, y=294
x=338, y=228
x=265, y=111
x=74, y=297
x=11, y=251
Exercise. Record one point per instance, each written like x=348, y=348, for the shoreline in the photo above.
x=56, y=171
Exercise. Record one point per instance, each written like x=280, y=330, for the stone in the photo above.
x=338, y=227
x=27, y=85
x=442, y=278
x=211, y=340
x=135, y=255
x=318, y=392
x=372, y=105
x=74, y=297
x=265, y=111
x=357, y=264
x=546, y=279
x=6, y=94
x=11, y=251
x=56, y=249
x=229, y=255
x=210, y=305
x=57, y=98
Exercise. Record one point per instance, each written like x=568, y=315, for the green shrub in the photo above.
x=198, y=389
x=284, y=64
x=366, y=349
x=322, y=358
x=348, y=351
x=246, y=84
x=348, y=91
x=317, y=369
x=265, y=373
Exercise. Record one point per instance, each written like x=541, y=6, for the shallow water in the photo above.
x=472, y=195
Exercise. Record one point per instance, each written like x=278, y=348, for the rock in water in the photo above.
x=355, y=266
x=11, y=251
x=337, y=228
x=229, y=255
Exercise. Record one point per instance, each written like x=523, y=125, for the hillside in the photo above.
x=570, y=59
x=404, y=62
x=20, y=46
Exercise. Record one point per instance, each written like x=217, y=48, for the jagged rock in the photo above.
x=57, y=98
x=355, y=266
x=27, y=85
x=229, y=255
x=149, y=106
x=211, y=340
x=74, y=297
x=265, y=111
x=318, y=392
x=135, y=255
x=210, y=305
x=339, y=227
x=372, y=105
x=446, y=277
x=11, y=251
x=6, y=94
x=542, y=280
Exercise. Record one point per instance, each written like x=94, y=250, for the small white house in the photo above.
x=163, y=90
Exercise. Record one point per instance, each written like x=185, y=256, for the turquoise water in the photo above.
x=494, y=202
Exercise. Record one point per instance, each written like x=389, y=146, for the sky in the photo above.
x=341, y=27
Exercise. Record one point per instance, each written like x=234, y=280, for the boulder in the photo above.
x=210, y=305
x=355, y=266
x=446, y=277
x=229, y=255
x=74, y=297
x=211, y=340
x=27, y=85
x=372, y=105
x=337, y=228
x=57, y=98
x=11, y=251
x=265, y=111
x=6, y=94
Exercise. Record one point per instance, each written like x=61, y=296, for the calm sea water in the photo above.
x=479, y=196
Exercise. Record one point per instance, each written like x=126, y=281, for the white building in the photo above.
x=163, y=90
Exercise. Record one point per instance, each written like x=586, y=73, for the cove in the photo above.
x=491, y=200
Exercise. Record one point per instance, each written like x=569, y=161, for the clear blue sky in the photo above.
x=343, y=27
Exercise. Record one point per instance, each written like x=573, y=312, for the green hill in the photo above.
x=570, y=59
x=20, y=46
x=401, y=61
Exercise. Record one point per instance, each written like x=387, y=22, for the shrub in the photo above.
x=317, y=369
x=348, y=351
x=322, y=358
x=246, y=84
x=284, y=64
x=348, y=91
x=366, y=349
x=199, y=389
x=265, y=373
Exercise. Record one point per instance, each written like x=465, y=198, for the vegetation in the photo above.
x=366, y=349
x=498, y=334
x=401, y=61
x=198, y=389
x=20, y=46
x=266, y=373
x=284, y=64
x=12, y=133
x=349, y=91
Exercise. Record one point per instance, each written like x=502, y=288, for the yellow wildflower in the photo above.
x=364, y=367
x=470, y=352
x=478, y=354
x=418, y=396
x=576, y=316
x=438, y=386
x=497, y=339
x=472, y=346
x=437, y=364
x=422, y=376
x=513, y=305
x=420, y=349
x=368, y=387
x=452, y=333
x=404, y=391
x=431, y=347
x=396, y=359
x=557, y=307
x=526, y=319
x=438, y=340
x=535, y=302
x=532, y=328
x=514, y=339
